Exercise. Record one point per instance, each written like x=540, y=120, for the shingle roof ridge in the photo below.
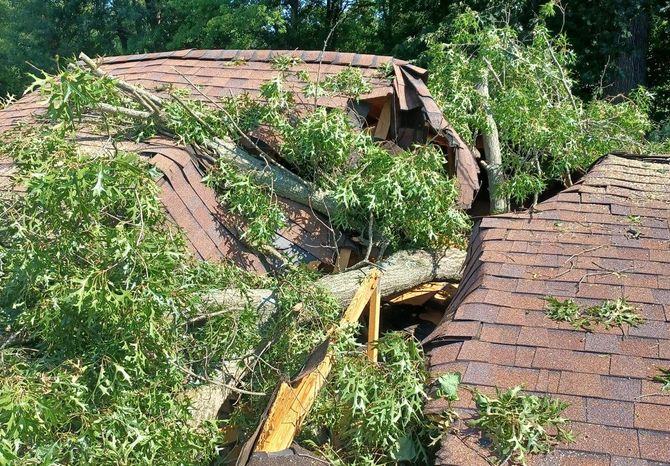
x=265, y=55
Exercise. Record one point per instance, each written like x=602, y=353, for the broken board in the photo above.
x=294, y=399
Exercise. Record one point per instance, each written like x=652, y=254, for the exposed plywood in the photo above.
x=373, y=324
x=384, y=122
x=342, y=261
x=419, y=295
x=291, y=406
x=293, y=401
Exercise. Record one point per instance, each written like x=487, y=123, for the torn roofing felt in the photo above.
x=605, y=238
x=398, y=110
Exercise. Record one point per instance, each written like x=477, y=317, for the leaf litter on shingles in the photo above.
x=663, y=378
x=611, y=313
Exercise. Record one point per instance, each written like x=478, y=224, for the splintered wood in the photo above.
x=419, y=295
x=294, y=400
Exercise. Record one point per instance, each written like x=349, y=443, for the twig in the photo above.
x=260, y=151
x=595, y=248
x=370, y=239
x=197, y=117
x=232, y=388
x=323, y=52
x=129, y=112
x=13, y=338
x=607, y=272
x=129, y=88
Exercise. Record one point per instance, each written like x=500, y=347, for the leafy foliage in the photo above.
x=253, y=202
x=546, y=132
x=610, y=314
x=521, y=425
x=349, y=82
x=322, y=145
x=72, y=92
x=372, y=413
x=447, y=386
x=664, y=378
x=103, y=293
x=566, y=311
x=101, y=290
x=409, y=196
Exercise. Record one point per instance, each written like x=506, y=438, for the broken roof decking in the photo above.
x=225, y=73
x=221, y=73
x=212, y=233
x=604, y=238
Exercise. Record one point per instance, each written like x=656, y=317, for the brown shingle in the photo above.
x=655, y=446
x=605, y=439
x=652, y=417
x=546, y=358
x=578, y=247
x=610, y=412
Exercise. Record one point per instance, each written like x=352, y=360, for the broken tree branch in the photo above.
x=281, y=180
x=124, y=86
x=402, y=270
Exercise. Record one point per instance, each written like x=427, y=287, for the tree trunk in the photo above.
x=493, y=154
x=403, y=270
x=632, y=61
x=284, y=182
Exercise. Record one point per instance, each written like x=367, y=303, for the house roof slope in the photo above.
x=607, y=237
x=223, y=73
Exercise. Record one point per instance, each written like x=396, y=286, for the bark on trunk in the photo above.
x=632, y=61
x=403, y=270
x=493, y=154
x=285, y=183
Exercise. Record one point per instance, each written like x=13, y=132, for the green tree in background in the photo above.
x=614, y=52
x=517, y=92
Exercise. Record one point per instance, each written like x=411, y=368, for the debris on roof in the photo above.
x=398, y=111
x=605, y=238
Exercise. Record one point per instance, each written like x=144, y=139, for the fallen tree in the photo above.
x=251, y=332
x=401, y=271
x=283, y=182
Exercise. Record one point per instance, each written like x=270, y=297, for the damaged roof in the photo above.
x=398, y=109
x=605, y=238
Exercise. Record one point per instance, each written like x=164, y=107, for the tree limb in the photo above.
x=402, y=270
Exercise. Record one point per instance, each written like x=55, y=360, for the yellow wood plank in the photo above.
x=292, y=403
x=373, y=324
x=290, y=409
x=419, y=294
x=384, y=122
x=362, y=296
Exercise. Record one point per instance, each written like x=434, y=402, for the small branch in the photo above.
x=218, y=383
x=11, y=340
x=124, y=86
x=370, y=239
x=195, y=116
x=129, y=112
x=243, y=135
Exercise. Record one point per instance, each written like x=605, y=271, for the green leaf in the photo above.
x=448, y=385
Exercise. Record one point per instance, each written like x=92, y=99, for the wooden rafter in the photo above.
x=294, y=400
